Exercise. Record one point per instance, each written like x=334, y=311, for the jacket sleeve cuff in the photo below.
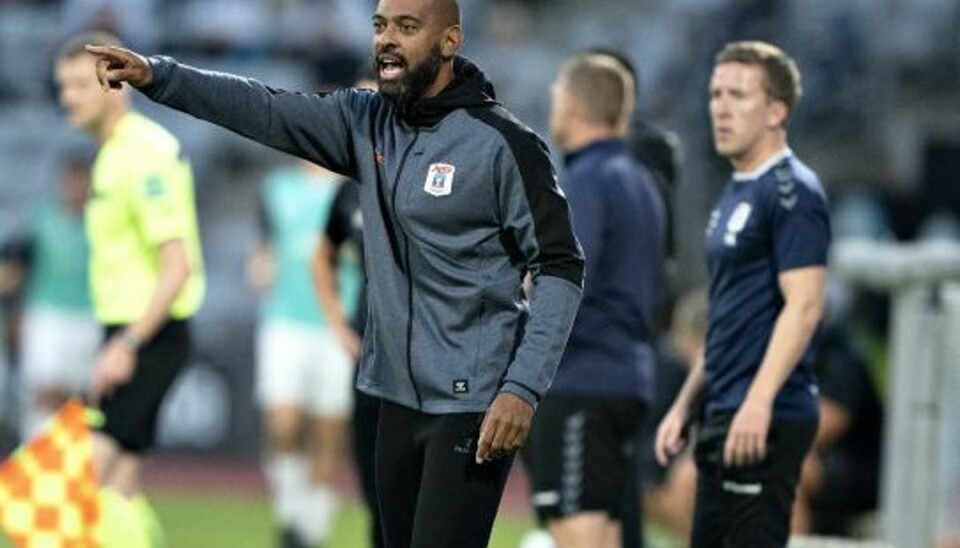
x=160, y=72
x=521, y=392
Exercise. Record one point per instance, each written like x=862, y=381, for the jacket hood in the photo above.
x=469, y=88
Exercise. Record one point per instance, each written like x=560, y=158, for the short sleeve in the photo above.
x=801, y=226
x=157, y=198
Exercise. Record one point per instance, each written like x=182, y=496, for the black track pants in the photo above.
x=432, y=493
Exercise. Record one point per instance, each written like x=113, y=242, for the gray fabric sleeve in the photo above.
x=553, y=308
x=537, y=220
x=313, y=126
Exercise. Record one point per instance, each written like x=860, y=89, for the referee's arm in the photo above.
x=117, y=360
x=174, y=273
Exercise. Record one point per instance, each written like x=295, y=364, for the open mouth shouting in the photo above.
x=390, y=67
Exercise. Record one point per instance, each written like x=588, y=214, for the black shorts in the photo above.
x=131, y=411
x=580, y=450
x=748, y=507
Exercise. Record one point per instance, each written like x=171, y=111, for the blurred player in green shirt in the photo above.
x=46, y=261
x=304, y=375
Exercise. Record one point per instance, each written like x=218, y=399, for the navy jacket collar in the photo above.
x=609, y=146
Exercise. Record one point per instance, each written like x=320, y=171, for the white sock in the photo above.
x=288, y=478
x=316, y=511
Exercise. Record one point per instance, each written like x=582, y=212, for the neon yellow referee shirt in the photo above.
x=141, y=197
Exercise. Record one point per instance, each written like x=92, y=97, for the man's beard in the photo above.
x=414, y=83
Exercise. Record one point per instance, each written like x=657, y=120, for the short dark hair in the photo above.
x=76, y=45
x=781, y=76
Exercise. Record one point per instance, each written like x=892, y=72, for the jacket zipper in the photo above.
x=406, y=260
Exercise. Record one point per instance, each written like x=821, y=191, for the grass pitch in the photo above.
x=196, y=520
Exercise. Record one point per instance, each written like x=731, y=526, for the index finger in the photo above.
x=96, y=389
x=731, y=452
x=658, y=451
x=483, y=442
x=661, y=447
x=104, y=51
x=102, y=65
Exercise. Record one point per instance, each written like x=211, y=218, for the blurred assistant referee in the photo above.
x=146, y=271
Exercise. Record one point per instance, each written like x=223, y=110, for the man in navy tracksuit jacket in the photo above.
x=459, y=202
x=584, y=436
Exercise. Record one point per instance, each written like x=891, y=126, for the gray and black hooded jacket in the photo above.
x=459, y=202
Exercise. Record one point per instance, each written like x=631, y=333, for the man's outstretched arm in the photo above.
x=315, y=127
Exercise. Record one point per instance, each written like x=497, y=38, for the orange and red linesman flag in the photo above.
x=48, y=492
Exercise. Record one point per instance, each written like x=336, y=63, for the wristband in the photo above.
x=130, y=341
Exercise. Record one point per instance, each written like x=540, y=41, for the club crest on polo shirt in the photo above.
x=439, y=180
x=736, y=223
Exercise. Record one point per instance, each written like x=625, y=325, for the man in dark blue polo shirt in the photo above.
x=586, y=429
x=766, y=242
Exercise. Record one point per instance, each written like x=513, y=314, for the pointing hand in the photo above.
x=117, y=65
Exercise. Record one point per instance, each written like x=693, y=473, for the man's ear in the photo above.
x=777, y=114
x=452, y=38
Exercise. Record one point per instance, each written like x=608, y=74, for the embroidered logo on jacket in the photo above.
x=439, y=179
